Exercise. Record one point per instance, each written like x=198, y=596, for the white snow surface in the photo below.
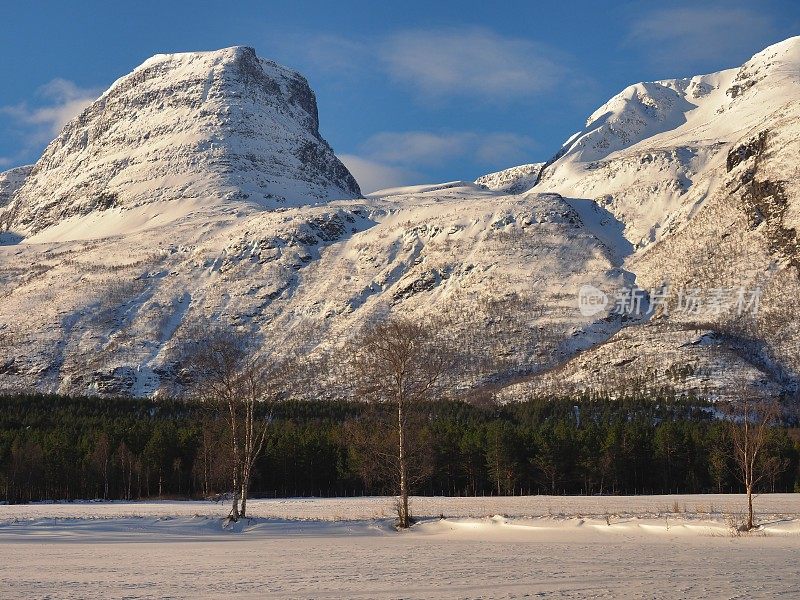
x=712, y=507
x=514, y=180
x=560, y=547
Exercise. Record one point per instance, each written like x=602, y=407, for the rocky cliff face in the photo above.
x=193, y=128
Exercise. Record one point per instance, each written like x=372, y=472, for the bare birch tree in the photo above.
x=750, y=423
x=399, y=363
x=230, y=376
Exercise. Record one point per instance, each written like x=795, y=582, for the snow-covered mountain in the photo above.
x=182, y=130
x=644, y=154
x=198, y=187
x=698, y=181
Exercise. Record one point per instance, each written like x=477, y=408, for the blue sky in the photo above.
x=408, y=92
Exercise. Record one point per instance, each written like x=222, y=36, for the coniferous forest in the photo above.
x=66, y=448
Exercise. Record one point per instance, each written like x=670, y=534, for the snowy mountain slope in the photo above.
x=641, y=154
x=107, y=308
x=205, y=127
x=692, y=359
x=745, y=235
x=513, y=180
x=503, y=269
x=709, y=222
x=688, y=183
x=11, y=181
x=304, y=276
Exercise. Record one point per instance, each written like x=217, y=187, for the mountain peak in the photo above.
x=652, y=139
x=208, y=127
x=787, y=50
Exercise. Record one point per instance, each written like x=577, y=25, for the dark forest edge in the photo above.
x=68, y=448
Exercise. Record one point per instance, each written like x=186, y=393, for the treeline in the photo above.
x=63, y=448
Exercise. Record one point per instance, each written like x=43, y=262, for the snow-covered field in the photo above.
x=543, y=546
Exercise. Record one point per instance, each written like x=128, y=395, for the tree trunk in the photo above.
x=236, y=462
x=750, y=507
x=403, y=512
x=247, y=455
x=234, y=514
x=245, y=492
x=105, y=480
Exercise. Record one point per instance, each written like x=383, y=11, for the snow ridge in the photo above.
x=514, y=180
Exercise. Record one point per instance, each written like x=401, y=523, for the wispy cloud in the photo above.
x=333, y=53
x=437, y=64
x=392, y=158
x=374, y=175
x=56, y=103
x=502, y=149
x=698, y=36
x=416, y=148
x=473, y=61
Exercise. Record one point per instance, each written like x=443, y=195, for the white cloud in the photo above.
x=395, y=158
x=472, y=62
x=327, y=55
x=61, y=101
x=416, y=148
x=504, y=148
x=467, y=62
x=373, y=175
x=686, y=37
